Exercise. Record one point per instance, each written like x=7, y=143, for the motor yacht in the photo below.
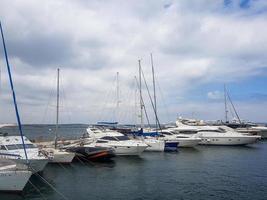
x=121, y=144
x=220, y=135
x=11, y=147
x=13, y=177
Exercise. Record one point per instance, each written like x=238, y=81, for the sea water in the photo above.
x=193, y=173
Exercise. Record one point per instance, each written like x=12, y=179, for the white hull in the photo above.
x=154, y=145
x=129, y=151
x=59, y=156
x=36, y=165
x=231, y=141
x=188, y=142
x=62, y=157
x=14, y=181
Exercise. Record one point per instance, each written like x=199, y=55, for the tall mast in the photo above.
x=118, y=97
x=140, y=92
x=135, y=103
x=57, y=115
x=154, y=89
x=225, y=105
x=13, y=94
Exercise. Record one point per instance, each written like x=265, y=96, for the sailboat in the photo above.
x=152, y=137
x=12, y=177
x=18, y=144
x=57, y=154
x=243, y=127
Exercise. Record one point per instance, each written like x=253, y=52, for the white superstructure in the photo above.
x=12, y=147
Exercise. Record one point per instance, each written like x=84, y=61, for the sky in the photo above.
x=197, y=46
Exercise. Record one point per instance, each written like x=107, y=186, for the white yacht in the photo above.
x=184, y=139
x=121, y=144
x=254, y=130
x=11, y=147
x=13, y=178
x=220, y=135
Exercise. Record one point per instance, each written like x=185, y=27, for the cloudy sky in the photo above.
x=198, y=46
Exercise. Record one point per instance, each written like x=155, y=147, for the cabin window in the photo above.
x=101, y=141
x=122, y=138
x=108, y=138
x=166, y=133
x=181, y=137
x=2, y=147
x=19, y=146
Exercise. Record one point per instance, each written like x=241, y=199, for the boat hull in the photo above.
x=171, y=146
x=154, y=145
x=62, y=157
x=129, y=150
x=188, y=142
x=14, y=181
x=36, y=165
x=92, y=153
x=229, y=141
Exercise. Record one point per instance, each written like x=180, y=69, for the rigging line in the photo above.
x=51, y=186
x=13, y=94
x=143, y=103
x=37, y=189
x=106, y=100
x=151, y=101
x=64, y=100
x=51, y=94
x=163, y=100
x=233, y=107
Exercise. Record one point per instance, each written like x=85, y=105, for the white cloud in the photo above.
x=194, y=43
x=215, y=95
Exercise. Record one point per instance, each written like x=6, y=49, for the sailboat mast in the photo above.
x=154, y=89
x=118, y=97
x=57, y=114
x=13, y=94
x=140, y=92
x=225, y=105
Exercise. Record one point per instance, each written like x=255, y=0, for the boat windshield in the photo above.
x=108, y=138
x=188, y=132
x=122, y=138
x=166, y=133
x=19, y=146
x=219, y=130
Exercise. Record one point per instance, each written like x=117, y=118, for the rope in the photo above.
x=51, y=186
x=38, y=190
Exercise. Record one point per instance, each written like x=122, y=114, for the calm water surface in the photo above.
x=200, y=173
